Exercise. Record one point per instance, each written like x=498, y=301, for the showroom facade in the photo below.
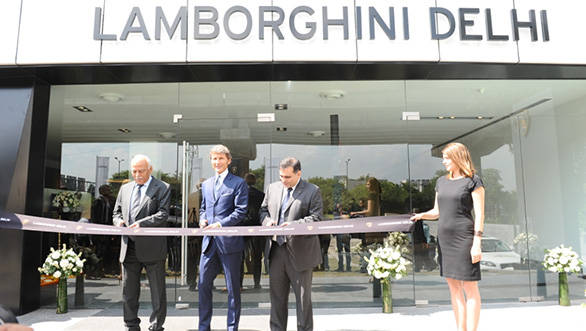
x=389, y=80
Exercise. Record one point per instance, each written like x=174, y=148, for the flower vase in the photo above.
x=564, y=293
x=62, y=296
x=387, y=296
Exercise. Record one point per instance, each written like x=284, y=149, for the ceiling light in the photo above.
x=265, y=117
x=452, y=117
x=479, y=117
x=167, y=135
x=124, y=130
x=441, y=117
x=111, y=97
x=332, y=94
x=281, y=106
x=281, y=128
x=316, y=133
x=83, y=109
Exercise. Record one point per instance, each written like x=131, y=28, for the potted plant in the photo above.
x=562, y=260
x=61, y=264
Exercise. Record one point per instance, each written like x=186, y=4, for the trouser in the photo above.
x=282, y=277
x=131, y=270
x=343, y=246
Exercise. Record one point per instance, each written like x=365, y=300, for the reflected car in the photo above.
x=496, y=255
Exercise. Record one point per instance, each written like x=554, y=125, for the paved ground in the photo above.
x=511, y=316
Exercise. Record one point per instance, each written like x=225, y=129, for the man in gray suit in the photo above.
x=143, y=203
x=291, y=258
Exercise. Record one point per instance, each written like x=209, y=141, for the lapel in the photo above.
x=295, y=194
x=148, y=194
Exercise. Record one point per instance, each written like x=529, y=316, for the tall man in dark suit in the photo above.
x=291, y=258
x=143, y=203
x=224, y=202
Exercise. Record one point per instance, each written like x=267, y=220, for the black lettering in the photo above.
x=237, y=9
x=465, y=23
x=262, y=24
x=532, y=25
x=433, y=11
x=489, y=30
x=180, y=18
x=310, y=25
x=544, y=26
x=98, y=27
x=211, y=21
x=135, y=14
x=373, y=15
x=343, y=22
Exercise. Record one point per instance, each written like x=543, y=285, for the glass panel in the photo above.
x=553, y=149
x=93, y=135
x=474, y=113
x=225, y=113
x=352, y=150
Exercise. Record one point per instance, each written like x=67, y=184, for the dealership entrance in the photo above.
x=344, y=133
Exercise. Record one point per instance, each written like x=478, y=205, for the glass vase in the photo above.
x=387, y=296
x=62, y=295
x=563, y=293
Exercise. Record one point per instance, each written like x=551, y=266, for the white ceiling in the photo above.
x=369, y=112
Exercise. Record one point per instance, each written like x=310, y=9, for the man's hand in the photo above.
x=271, y=223
x=134, y=225
x=213, y=226
x=284, y=224
x=203, y=223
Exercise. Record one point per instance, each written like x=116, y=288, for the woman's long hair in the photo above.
x=460, y=155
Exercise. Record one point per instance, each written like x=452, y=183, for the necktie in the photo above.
x=217, y=187
x=282, y=239
x=135, y=203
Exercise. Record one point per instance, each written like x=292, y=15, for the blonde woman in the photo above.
x=459, y=234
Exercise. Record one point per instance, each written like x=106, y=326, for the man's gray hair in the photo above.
x=221, y=149
x=140, y=157
x=290, y=162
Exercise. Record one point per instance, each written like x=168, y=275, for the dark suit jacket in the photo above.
x=255, y=198
x=154, y=211
x=228, y=209
x=305, y=206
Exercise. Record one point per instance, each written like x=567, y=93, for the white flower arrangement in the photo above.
x=386, y=261
x=62, y=263
x=399, y=240
x=67, y=200
x=562, y=259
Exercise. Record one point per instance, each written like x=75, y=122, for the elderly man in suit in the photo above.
x=291, y=258
x=143, y=203
x=224, y=203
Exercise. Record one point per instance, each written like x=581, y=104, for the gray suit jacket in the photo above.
x=153, y=212
x=305, y=206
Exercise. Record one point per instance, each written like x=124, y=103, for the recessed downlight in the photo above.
x=281, y=129
x=83, y=109
x=281, y=106
x=124, y=130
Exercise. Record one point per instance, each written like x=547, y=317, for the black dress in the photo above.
x=456, y=227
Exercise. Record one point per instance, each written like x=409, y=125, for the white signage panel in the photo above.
x=227, y=31
x=9, y=20
x=55, y=32
x=322, y=30
x=478, y=30
x=395, y=30
x=144, y=31
x=567, y=40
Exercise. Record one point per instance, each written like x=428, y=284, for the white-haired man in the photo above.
x=143, y=203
